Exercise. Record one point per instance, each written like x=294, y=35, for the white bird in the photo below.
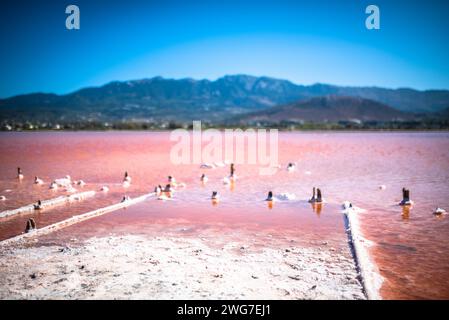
x=207, y=166
x=70, y=189
x=219, y=164
x=104, y=189
x=232, y=176
x=215, y=195
x=38, y=181
x=229, y=179
x=126, y=198
x=382, y=187
x=19, y=173
x=2, y=198
x=38, y=205
x=54, y=185
x=439, y=211
x=346, y=205
x=127, y=177
x=286, y=196
x=204, y=178
x=64, y=182
x=174, y=184
x=80, y=183
x=291, y=167
x=171, y=180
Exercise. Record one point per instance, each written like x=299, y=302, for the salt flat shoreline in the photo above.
x=163, y=267
x=369, y=272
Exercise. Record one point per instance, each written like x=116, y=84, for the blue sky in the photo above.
x=303, y=41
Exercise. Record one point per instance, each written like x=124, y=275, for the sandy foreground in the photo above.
x=139, y=267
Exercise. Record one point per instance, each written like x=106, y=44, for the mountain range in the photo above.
x=328, y=109
x=238, y=97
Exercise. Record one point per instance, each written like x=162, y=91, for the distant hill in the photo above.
x=443, y=114
x=329, y=109
x=404, y=99
x=159, y=99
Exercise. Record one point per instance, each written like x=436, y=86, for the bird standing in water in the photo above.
x=127, y=177
x=316, y=196
x=30, y=226
x=270, y=200
x=19, y=173
x=158, y=190
x=215, y=195
x=232, y=176
x=405, y=198
x=38, y=205
x=215, y=198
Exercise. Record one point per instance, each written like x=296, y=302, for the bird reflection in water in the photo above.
x=405, y=212
x=317, y=207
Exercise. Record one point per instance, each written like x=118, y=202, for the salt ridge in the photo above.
x=371, y=278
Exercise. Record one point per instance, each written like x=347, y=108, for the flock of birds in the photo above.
x=65, y=183
x=166, y=193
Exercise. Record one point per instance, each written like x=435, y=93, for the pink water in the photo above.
x=410, y=249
